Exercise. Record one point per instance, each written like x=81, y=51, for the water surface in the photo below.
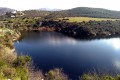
x=54, y=50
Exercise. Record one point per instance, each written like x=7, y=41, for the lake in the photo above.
x=51, y=50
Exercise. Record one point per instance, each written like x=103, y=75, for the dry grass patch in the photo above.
x=7, y=54
x=86, y=19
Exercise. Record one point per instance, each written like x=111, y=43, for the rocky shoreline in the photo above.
x=83, y=29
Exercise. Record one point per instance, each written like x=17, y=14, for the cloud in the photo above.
x=59, y=4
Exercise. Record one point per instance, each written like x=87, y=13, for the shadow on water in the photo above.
x=77, y=37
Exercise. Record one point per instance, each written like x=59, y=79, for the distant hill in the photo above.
x=48, y=9
x=35, y=13
x=74, y=12
x=87, y=12
x=4, y=10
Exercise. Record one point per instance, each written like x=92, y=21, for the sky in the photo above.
x=60, y=4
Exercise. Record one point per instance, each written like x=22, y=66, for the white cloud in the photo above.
x=60, y=4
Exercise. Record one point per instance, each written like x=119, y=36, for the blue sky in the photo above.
x=59, y=4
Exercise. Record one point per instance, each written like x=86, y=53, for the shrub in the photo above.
x=21, y=60
x=108, y=77
x=9, y=72
x=34, y=74
x=117, y=77
x=99, y=77
x=7, y=55
x=2, y=64
x=56, y=74
x=22, y=73
x=90, y=77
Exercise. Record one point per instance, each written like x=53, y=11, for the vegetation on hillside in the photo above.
x=22, y=23
x=35, y=13
x=11, y=66
x=85, y=12
x=85, y=29
x=95, y=76
x=82, y=27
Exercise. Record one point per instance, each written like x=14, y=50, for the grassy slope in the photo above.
x=86, y=19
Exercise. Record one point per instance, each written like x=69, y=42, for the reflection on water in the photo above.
x=115, y=43
x=50, y=50
x=117, y=64
x=57, y=41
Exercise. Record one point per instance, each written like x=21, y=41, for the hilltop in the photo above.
x=36, y=13
x=3, y=10
x=86, y=12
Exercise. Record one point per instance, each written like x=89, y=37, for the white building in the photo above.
x=16, y=14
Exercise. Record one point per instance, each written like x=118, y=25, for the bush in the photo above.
x=9, y=72
x=21, y=60
x=2, y=64
x=22, y=73
x=90, y=77
x=117, y=77
x=56, y=74
x=99, y=77
x=7, y=55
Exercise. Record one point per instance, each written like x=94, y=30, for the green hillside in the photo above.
x=86, y=12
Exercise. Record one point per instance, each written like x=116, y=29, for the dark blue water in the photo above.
x=53, y=50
